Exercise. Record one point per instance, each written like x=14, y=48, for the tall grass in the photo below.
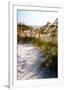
x=48, y=48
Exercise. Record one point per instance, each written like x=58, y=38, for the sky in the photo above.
x=35, y=18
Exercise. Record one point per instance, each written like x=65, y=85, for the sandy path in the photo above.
x=27, y=63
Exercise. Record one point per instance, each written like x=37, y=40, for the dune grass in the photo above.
x=48, y=48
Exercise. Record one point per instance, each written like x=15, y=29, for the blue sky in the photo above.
x=35, y=18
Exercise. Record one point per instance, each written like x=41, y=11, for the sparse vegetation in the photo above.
x=49, y=48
